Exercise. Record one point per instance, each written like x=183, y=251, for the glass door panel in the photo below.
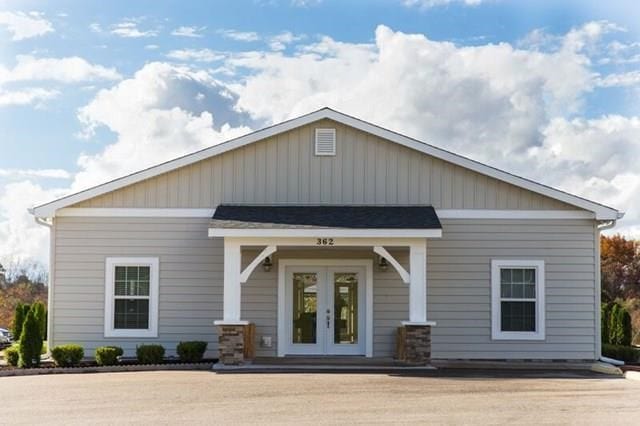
x=345, y=308
x=305, y=307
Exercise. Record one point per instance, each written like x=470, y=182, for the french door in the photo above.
x=325, y=310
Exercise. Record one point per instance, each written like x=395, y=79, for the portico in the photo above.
x=325, y=305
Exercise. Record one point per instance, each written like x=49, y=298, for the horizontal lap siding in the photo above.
x=459, y=287
x=283, y=169
x=458, y=270
x=191, y=276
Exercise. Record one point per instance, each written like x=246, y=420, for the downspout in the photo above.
x=602, y=226
x=49, y=224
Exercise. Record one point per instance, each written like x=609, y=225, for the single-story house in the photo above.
x=328, y=235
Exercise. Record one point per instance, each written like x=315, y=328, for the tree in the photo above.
x=620, y=268
x=24, y=282
x=30, y=341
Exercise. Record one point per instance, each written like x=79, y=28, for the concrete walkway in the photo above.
x=190, y=397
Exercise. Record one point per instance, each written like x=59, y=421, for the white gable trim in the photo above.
x=601, y=212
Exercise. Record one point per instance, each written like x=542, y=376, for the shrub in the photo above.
x=108, y=355
x=605, y=313
x=191, y=351
x=30, y=341
x=19, y=315
x=150, y=354
x=41, y=316
x=67, y=355
x=624, y=353
x=616, y=325
x=12, y=355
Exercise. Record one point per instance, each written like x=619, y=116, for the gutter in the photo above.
x=49, y=224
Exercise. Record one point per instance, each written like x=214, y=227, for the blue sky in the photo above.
x=558, y=79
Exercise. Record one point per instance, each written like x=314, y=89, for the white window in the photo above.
x=131, y=297
x=517, y=299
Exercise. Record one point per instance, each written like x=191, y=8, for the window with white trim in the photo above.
x=517, y=300
x=131, y=297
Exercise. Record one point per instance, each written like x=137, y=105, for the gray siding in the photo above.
x=459, y=287
x=283, y=169
x=458, y=270
x=191, y=270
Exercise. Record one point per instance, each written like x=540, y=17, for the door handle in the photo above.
x=328, y=318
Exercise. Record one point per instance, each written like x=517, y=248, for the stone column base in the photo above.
x=413, y=344
x=236, y=343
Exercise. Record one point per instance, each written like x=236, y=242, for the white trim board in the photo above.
x=133, y=212
x=513, y=214
x=601, y=212
x=324, y=233
x=208, y=213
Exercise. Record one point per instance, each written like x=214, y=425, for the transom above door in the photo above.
x=325, y=308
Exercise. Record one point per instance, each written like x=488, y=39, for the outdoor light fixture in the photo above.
x=266, y=264
x=382, y=264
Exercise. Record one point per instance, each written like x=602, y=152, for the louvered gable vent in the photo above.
x=325, y=141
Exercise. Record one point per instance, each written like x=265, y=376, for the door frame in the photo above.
x=282, y=317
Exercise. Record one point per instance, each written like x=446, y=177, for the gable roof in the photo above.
x=601, y=211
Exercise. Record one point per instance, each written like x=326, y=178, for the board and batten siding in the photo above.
x=458, y=286
x=283, y=169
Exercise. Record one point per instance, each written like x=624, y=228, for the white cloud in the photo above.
x=246, y=36
x=21, y=237
x=280, y=41
x=188, y=31
x=426, y=4
x=630, y=78
x=26, y=96
x=96, y=27
x=152, y=47
x=35, y=173
x=129, y=29
x=23, y=25
x=198, y=55
x=305, y=3
x=162, y=112
x=66, y=70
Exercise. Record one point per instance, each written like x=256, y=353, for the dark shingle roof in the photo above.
x=314, y=216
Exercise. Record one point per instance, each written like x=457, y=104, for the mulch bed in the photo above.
x=47, y=367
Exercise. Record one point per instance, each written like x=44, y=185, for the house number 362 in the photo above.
x=324, y=241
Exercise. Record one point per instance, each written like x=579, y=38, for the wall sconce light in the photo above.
x=383, y=265
x=267, y=264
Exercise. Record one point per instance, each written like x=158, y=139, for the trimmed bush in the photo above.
x=150, y=354
x=12, y=355
x=41, y=316
x=191, y=351
x=108, y=355
x=623, y=353
x=30, y=341
x=67, y=355
x=18, y=320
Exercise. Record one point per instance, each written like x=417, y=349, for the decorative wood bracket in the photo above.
x=268, y=251
x=406, y=278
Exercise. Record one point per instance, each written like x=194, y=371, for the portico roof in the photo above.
x=325, y=216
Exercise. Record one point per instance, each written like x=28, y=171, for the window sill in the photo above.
x=131, y=333
x=514, y=335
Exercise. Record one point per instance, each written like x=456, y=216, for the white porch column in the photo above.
x=232, y=289
x=418, y=282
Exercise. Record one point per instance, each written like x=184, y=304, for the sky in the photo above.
x=547, y=90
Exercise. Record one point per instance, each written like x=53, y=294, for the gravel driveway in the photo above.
x=182, y=397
